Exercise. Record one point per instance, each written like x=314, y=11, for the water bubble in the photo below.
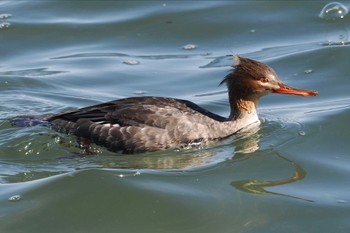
x=5, y=16
x=341, y=201
x=131, y=62
x=308, y=71
x=137, y=173
x=302, y=133
x=4, y=25
x=333, y=11
x=121, y=175
x=15, y=198
x=139, y=92
x=189, y=47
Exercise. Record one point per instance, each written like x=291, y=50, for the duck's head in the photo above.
x=251, y=79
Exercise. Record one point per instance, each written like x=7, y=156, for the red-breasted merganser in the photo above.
x=141, y=124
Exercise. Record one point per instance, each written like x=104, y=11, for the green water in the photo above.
x=291, y=174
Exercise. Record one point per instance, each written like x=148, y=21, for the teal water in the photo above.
x=291, y=174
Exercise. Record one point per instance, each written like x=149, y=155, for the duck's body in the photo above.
x=141, y=124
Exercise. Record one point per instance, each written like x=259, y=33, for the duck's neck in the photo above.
x=243, y=109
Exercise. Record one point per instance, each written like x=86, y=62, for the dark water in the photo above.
x=289, y=175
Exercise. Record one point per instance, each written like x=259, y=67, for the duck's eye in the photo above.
x=264, y=80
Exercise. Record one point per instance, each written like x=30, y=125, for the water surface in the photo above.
x=290, y=174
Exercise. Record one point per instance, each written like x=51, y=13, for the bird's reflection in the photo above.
x=250, y=143
x=259, y=186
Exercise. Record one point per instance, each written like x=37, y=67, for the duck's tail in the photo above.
x=30, y=120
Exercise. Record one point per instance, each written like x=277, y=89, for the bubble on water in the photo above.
x=333, y=11
x=15, y=198
x=139, y=92
x=4, y=25
x=189, y=47
x=5, y=16
x=302, y=133
x=131, y=62
x=308, y=71
x=137, y=173
x=341, y=201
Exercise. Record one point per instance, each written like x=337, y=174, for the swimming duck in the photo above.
x=141, y=124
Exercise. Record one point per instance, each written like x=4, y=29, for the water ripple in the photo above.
x=36, y=72
x=149, y=57
x=265, y=54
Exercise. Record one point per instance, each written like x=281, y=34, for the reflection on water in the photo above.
x=259, y=186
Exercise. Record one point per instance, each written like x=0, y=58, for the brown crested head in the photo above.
x=251, y=78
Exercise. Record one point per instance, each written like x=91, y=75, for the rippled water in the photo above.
x=290, y=174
